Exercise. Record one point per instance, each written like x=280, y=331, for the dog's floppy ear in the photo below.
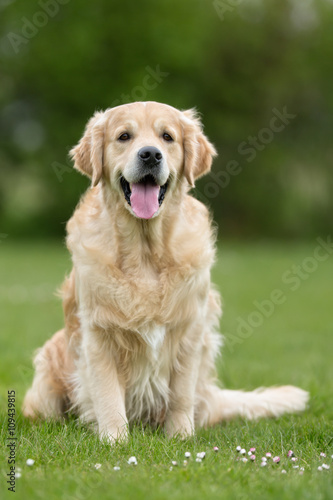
x=88, y=154
x=198, y=151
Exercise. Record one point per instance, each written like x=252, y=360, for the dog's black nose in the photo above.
x=150, y=156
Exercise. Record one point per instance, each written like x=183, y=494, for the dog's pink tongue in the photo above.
x=144, y=200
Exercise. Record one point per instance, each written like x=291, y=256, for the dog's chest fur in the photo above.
x=147, y=391
x=151, y=345
x=156, y=308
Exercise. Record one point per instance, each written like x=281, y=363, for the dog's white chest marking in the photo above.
x=148, y=390
x=154, y=338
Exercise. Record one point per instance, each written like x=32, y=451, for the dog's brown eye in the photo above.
x=124, y=137
x=167, y=137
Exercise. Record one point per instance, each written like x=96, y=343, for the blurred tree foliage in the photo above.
x=241, y=63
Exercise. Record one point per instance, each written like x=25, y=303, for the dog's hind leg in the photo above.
x=48, y=395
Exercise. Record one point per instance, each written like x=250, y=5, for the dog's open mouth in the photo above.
x=145, y=197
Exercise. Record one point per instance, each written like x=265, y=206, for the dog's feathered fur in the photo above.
x=141, y=316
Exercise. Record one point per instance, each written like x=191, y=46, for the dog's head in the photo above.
x=143, y=151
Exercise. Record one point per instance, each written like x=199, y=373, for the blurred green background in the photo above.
x=241, y=63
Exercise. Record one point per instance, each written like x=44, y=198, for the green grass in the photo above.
x=293, y=345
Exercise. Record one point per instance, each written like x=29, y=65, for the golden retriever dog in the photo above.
x=141, y=316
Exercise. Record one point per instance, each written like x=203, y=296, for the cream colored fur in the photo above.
x=141, y=316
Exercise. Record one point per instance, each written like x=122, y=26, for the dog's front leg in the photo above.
x=106, y=390
x=180, y=416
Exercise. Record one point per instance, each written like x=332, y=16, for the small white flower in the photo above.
x=244, y=460
x=174, y=463
x=98, y=466
x=201, y=454
x=170, y=468
x=132, y=461
x=252, y=457
x=283, y=471
x=268, y=455
x=30, y=462
x=323, y=455
x=17, y=475
x=215, y=449
x=325, y=466
x=116, y=467
x=263, y=464
x=293, y=459
x=198, y=459
x=295, y=466
x=263, y=459
x=187, y=454
x=249, y=453
x=243, y=451
x=238, y=448
x=320, y=468
x=185, y=462
x=302, y=468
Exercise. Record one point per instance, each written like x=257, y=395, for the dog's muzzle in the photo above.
x=146, y=195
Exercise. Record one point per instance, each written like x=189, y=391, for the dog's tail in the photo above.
x=215, y=405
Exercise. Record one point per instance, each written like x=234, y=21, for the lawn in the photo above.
x=286, y=342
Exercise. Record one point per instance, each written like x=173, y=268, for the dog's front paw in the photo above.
x=179, y=424
x=116, y=435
